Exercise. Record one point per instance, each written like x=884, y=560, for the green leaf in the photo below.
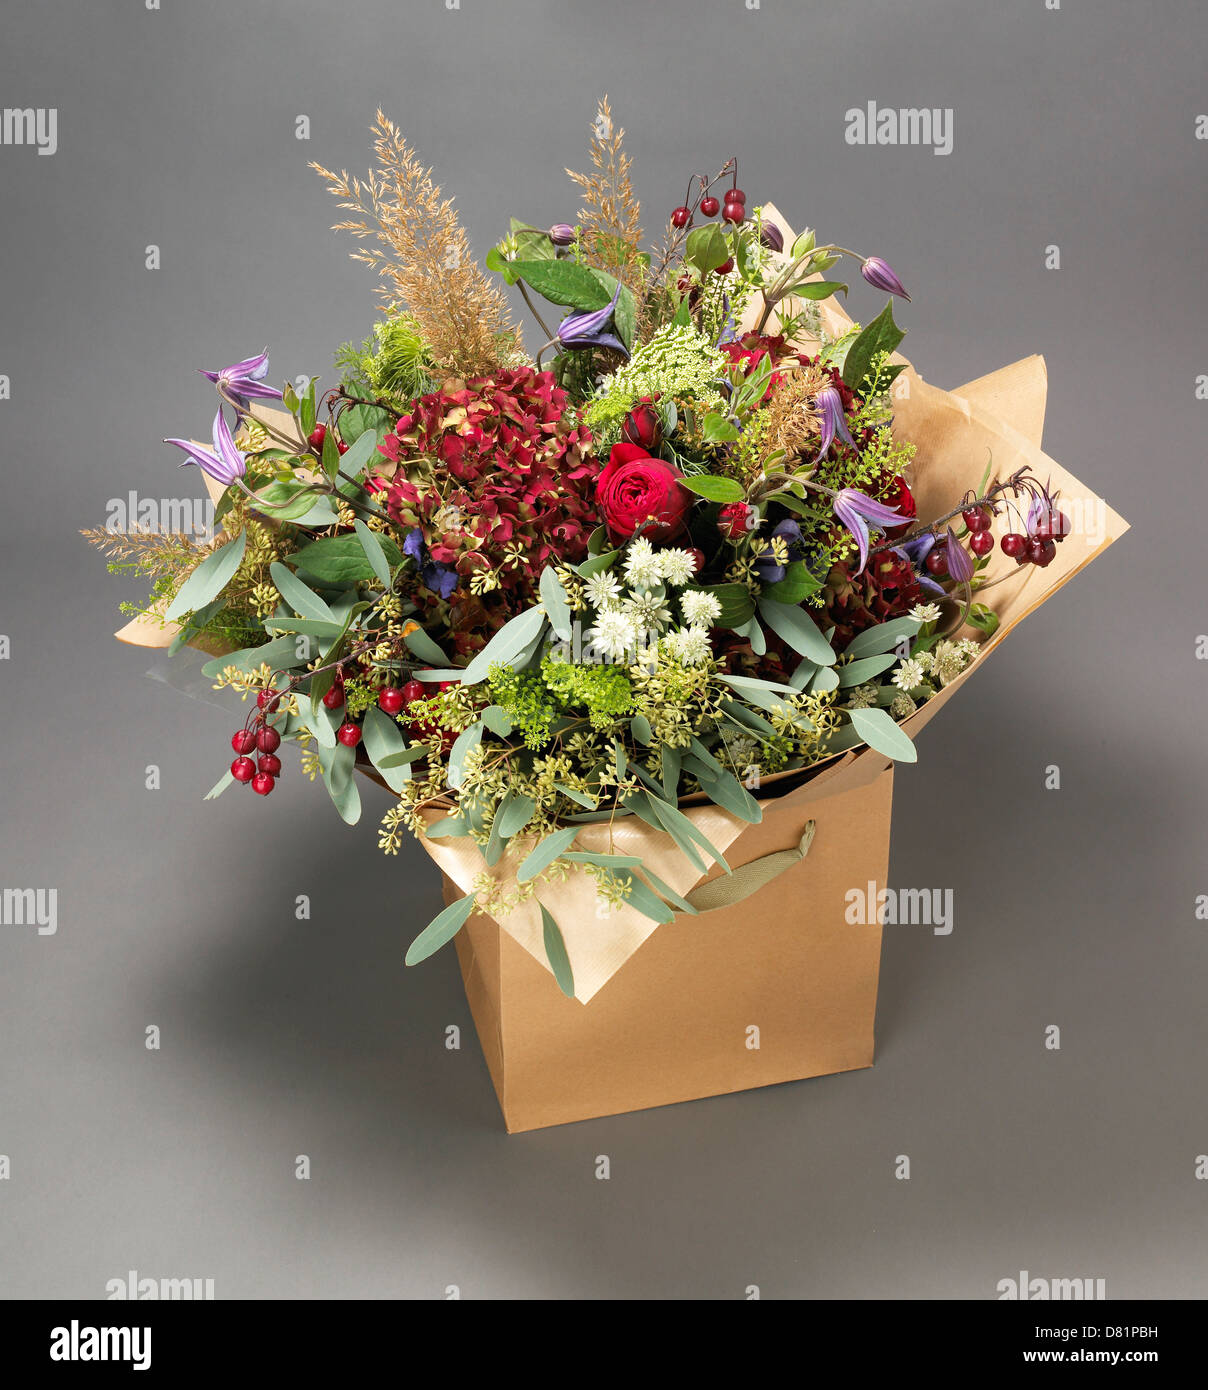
x=497, y=719
x=342, y=560
x=291, y=499
x=716, y=429
x=737, y=605
x=300, y=597
x=983, y=618
x=796, y=586
x=877, y=728
x=546, y=851
x=315, y=627
x=706, y=248
x=553, y=596
x=564, y=282
x=881, y=335
x=442, y=928
x=857, y=672
x=448, y=827
x=681, y=904
x=374, y=553
x=827, y=678
x=796, y=627
x=362, y=421
x=816, y=289
x=602, y=861
x=715, y=489
x=595, y=563
x=220, y=786
x=679, y=824
x=511, y=639
x=647, y=902
x=281, y=654
x=306, y=408
x=881, y=638
x=404, y=758
x=581, y=797
x=514, y=813
x=383, y=741
x=336, y=766
x=330, y=455
x=726, y=791
x=555, y=952
x=468, y=739
x=425, y=648
x=209, y=578
x=639, y=727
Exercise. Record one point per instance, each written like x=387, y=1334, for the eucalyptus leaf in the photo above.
x=467, y=740
x=209, y=578
x=858, y=672
x=374, y=553
x=442, y=929
x=546, y=851
x=555, y=952
x=881, y=638
x=796, y=627
x=384, y=740
x=553, y=596
x=514, y=813
x=877, y=728
x=511, y=639
x=426, y=649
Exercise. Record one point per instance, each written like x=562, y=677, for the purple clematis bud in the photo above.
x=771, y=236
x=960, y=562
x=226, y=464
x=881, y=277
x=856, y=509
x=590, y=329
x=729, y=329
x=244, y=380
x=561, y=234
x=441, y=579
x=833, y=421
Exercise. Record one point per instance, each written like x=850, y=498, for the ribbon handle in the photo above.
x=749, y=878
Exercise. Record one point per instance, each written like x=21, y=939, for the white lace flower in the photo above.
x=925, y=612
x=642, y=564
x=902, y=706
x=862, y=697
x=676, y=566
x=602, y=590
x=699, y=608
x=908, y=675
x=647, y=612
x=689, y=646
x=613, y=634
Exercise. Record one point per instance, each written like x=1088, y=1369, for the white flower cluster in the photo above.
x=941, y=665
x=627, y=621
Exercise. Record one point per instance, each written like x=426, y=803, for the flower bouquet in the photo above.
x=632, y=627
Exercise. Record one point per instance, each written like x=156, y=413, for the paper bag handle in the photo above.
x=749, y=878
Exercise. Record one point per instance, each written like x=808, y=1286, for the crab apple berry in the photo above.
x=262, y=783
x=698, y=557
x=316, y=437
x=709, y=205
x=1015, y=545
x=734, y=520
x=341, y=446
x=981, y=543
x=735, y=195
x=243, y=769
x=679, y=218
x=733, y=212
x=726, y=266
x=243, y=740
x=268, y=699
x=334, y=697
x=270, y=763
x=937, y=561
x=391, y=700
x=1041, y=552
x=414, y=690
x=268, y=740
x=349, y=734
x=976, y=519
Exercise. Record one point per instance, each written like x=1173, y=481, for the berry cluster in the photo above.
x=262, y=739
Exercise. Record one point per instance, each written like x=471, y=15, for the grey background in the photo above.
x=1073, y=907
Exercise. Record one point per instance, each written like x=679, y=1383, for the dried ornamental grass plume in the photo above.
x=610, y=216
x=461, y=315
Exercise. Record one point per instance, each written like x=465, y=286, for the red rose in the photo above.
x=736, y=519
x=635, y=488
x=643, y=425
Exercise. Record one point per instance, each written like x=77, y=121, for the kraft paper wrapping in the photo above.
x=998, y=416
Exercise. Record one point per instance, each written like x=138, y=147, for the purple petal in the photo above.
x=851, y=518
x=881, y=277
x=869, y=508
x=960, y=562
x=209, y=464
x=224, y=446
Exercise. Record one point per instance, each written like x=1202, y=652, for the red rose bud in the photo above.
x=643, y=426
x=561, y=234
x=636, y=490
x=735, y=519
x=771, y=236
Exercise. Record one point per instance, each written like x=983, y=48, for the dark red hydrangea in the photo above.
x=888, y=588
x=497, y=476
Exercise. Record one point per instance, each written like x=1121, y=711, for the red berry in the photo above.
x=262, y=783
x=349, y=734
x=1041, y=552
x=937, y=561
x=726, y=266
x=735, y=195
x=341, y=446
x=316, y=437
x=976, y=519
x=981, y=542
x=414, y=690
x=243, y=741
x=699, y=557
x=243, y=769
x=679, y=218
x=709, y=205
x=733, y=212
x=270, y=763
x=447, y=685
x=334, y=697
x=391, y=700
x=268, y=699
x=268, y=740
x=1060, y=526
x=1014, y=545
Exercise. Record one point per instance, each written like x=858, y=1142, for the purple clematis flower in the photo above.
x=729, y=331
x=244, y=380
x=881, y=277
x=833, y=421
x=226, y=464
x=856, y=509
x=916, y=552
x=960, y=562
x=441, y=579
x=591, y=329
x=765, y=564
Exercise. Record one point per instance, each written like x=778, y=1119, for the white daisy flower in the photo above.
x=676, y=566
x=613, y=634
x=908, y=675
x=689, y=646
x=699, y=608
x=602, y=590
x=642, y=564
x=925, y=612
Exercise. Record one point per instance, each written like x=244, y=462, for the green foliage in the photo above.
x=393, y=361
x=604, y=692
x=678, y=363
